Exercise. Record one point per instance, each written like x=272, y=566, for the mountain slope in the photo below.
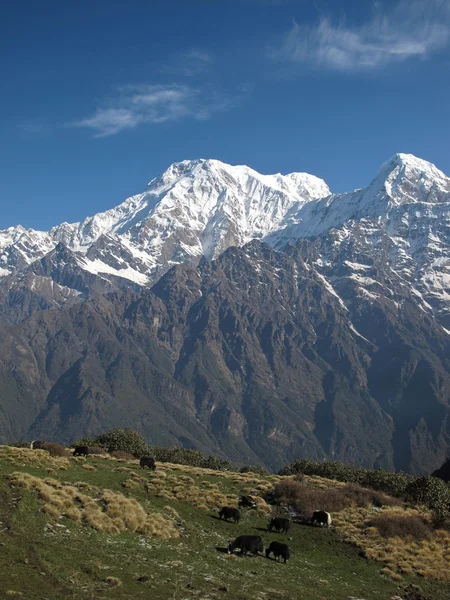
x=251, y=356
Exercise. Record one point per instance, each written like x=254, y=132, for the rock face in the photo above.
x=252, y=356
x=258, y=317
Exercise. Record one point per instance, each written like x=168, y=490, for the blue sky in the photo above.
x=99, y=97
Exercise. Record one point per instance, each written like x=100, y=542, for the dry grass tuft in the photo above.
x=130, y=484
x=428, y=557
x=113, y=581
x=391, y=574
x=88, y=467
x=172, y=512
x=395, y=525
x=111, y=513
x=35, y=458
x=87, y=487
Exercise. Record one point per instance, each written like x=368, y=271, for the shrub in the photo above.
x=305, y=500
x=96, y=450
x=363, y=496
x=431, y=492
x=189, y=457
x=20, y=444
x=121, y=454
x=83, y=442
x=377, y=479
x=216, y=463
x=390, y=525
x=132, y=442
x=55, y=449
x=441, y=520
x=126, y=440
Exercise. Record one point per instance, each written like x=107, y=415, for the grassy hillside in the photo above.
x=103, y=528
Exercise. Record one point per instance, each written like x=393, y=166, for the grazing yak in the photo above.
x=227, y=512
x=246, y=502
x=320, y=517
x=81, y=451
x=148, y=461
x=280, y=525
x=37, y=445
x=247, y=543
x=279, y=550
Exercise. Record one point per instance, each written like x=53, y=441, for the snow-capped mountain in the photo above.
x=402, y=219
x=323, y=332
x=196, y=209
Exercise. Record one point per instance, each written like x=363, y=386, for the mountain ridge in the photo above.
x=318, y=327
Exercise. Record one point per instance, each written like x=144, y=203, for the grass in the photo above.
x=94, y=541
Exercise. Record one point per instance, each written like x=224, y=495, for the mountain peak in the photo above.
x=409, y=179
x=404, y=163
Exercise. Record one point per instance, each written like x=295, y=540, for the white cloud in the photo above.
x=152, y=104
x=407, y=29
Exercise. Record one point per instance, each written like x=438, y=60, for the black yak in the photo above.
x=279, y=550
x=227, y=512
x=148, y=461
x=247, y=543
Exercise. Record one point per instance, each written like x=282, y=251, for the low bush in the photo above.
x=305, y=499
x=378, y=479
x=54, y=449
x=96, y=450
x=121, y=454
x=20, y=444
x=362, y=496
x=431, y=492
x=390, y=525
x=132, y=442
x=125, y=440
x=189, y=457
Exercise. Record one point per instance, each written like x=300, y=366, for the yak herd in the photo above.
x=253, y=544
x=247, y=544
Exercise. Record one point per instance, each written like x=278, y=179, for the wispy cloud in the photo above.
x=154, y=104
x=395, y=32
